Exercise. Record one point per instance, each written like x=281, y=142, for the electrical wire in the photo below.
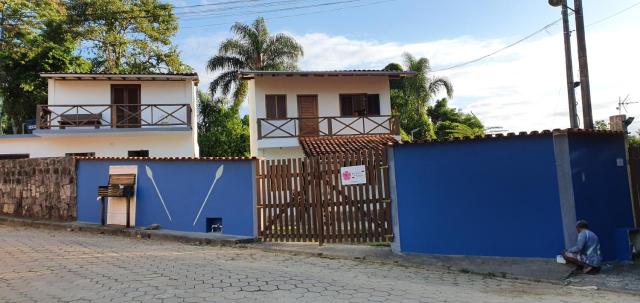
x=544, y=28
x=613, y=15
x=300, y=7
x=529, y=37
x=296, y=15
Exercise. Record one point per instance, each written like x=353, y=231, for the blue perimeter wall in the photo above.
x=601, y=187
x=184, y=185
x=494, y=197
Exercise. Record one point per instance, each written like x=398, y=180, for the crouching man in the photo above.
x=586, y=253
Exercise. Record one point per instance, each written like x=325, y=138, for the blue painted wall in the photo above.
x=601, y=187
x=184, y=185
x=495, y=197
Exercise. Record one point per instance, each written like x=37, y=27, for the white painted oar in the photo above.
x=218, y=175
x=150, y=175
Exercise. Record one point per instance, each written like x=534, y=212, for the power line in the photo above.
x=544, y=28
x=300, y=7
x=613, y=15
x=296, y=15
x=212, y=12
x=236, y=7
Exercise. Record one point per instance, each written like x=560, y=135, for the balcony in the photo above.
x=327, y=126
x=150, y=116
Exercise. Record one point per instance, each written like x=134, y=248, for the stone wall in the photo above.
x=42, y=188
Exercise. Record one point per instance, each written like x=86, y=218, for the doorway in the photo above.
x=126, y=110
x=308, y=115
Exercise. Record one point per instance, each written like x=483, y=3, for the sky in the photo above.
x=519, y=89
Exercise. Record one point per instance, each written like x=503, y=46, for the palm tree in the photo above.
x=410, y=96
x=423, y=86
x=252, y=48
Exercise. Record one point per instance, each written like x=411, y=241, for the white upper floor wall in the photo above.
x=328, y=90
x=96, y=89
x=74, y=92
x=327, y=87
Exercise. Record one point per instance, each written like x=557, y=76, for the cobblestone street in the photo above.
x=46, y=266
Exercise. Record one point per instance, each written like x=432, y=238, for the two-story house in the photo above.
x=112, y=115
x=308, y=113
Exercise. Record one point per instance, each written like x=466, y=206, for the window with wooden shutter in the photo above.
x=346, y=106
x=373, y=105
x=357, y=105
x=276, y=106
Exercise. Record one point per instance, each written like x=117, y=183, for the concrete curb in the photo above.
x=190, y=238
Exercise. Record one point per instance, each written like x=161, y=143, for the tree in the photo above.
x=634, y=140
x=410, y=96
x=602, y=125
x=452, y=123
x=127, y=36
x=221, y=131
x=252, y=48
x=34, y=38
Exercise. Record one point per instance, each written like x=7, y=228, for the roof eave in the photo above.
x=249, y=74
x=134, y=77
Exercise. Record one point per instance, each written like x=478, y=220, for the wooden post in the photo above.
x=189, y=113
x=128, y=212
x=38, y=116
x=571, y=93
x=102, y=214
x=585, y=87
x=113, y=116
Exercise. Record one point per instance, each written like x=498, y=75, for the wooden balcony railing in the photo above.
x=327, y=126
x=113, y=116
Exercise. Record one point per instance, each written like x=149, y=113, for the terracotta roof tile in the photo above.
x=534, y=133
x=324, y=145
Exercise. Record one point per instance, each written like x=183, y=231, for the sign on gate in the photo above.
x=351, y=175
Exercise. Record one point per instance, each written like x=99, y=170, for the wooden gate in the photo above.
x=303, y=200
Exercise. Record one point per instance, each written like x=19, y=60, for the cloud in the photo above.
x=196, y=51
x=520, y=89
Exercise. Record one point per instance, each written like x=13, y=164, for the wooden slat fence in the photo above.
x=303, y=200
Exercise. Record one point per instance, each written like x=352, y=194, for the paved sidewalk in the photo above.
x=617, y=277
x=614, y=276
x=40, y=265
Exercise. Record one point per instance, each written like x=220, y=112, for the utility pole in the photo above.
x=587, y=115
x=571, y=92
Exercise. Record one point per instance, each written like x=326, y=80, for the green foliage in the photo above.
x=452, y=123
x=35, y=38
x=221, y=131
x=127, y=36
x=410, y=98
x=634, y=141
x=252, y=48
x=601, y=125
x=78, y=36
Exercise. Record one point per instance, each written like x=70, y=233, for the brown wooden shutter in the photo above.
x=359, y=105
x=373, y=105
x=346, y=105
x=270, y=103
x=282, y=107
